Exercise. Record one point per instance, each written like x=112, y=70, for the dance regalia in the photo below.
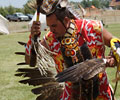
x=73, y=49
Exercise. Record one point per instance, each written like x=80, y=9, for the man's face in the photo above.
x=55, y=26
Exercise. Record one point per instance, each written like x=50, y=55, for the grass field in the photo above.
x=10, y=89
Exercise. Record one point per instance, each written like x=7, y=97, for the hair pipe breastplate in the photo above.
x=73, y=54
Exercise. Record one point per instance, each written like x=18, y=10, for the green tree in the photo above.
x=96, y=3
x=3, y=11
x=19, y=10
x=105, y=3
x=86, y=3
x=75, y=4
x=27, y=9
x=10, y=9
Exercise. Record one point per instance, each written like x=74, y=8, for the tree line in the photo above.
x=11, y=10
x=26, y=9
x=97, y=3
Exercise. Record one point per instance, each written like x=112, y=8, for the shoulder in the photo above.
x=91, y=30
x=92, y=26
x=88, y=25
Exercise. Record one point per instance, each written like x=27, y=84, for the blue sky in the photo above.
x=17, y=3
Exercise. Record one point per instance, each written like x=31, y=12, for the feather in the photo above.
x=73, y=11
x=32, y=4
x=85, y=70
x=22, y=43
x=20, y=53
x=33, y=72
x=46, y=87
x=37, y=81
x=34, y=76
x=22, y=63
x=46, y=84
x=52, y=94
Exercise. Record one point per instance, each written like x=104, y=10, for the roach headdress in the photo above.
x=48, y=7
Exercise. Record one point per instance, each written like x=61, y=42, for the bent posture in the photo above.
x=73, y=41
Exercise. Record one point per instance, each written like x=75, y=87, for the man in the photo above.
x=67, y=35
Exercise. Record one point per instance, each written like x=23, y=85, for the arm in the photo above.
x=107, y=36
x=31, y=58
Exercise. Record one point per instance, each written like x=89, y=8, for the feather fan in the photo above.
x=46, y=84
x=84, y=70
x=21, y=53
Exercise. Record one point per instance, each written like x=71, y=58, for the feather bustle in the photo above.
x=85, y=70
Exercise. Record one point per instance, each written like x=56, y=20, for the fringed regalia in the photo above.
x=81, y=41
x=73, y=54
x=74, y=51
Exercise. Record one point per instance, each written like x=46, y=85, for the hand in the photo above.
x=35, y=29
x=111, y=62
x=115, y=46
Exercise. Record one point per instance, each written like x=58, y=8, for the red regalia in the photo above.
x=91, y=30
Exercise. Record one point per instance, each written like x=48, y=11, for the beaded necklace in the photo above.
x=69, y=46
x=74, y=54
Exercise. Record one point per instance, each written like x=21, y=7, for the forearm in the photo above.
x=107, y=36
x=32, y=58
x=35, y=31
x=27, y=58
x=30, y=55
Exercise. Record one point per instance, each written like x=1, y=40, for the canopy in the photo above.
x=42, y=20
x=3, y=25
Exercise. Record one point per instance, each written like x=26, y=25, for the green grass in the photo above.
x=10, y=89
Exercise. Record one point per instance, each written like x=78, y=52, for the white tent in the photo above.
x=3, y=25
x=42, y=20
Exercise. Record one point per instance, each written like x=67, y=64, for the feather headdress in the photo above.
x=32, y=4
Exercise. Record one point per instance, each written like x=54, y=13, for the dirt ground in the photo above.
x=17, y=27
